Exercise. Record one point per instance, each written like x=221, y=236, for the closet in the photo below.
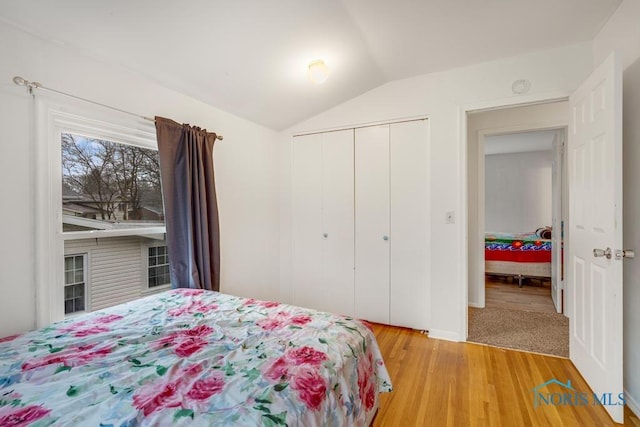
x=322, y=221
x=360, y=223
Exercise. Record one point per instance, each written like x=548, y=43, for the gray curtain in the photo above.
x=191, y=209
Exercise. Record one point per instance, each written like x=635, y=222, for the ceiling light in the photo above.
x=318, y=71
x=521, y=86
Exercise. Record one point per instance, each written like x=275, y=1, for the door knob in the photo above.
x=625, y=253
x=325, y=235
x=602, y=252
x=385, y=237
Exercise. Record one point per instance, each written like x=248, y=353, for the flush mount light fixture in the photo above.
x=318, y=71
x=521, y=86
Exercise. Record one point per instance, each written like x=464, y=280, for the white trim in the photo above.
x=480, y=208
x=362, y=125
x=463, y=254
x=90, y=234
x=632, y=403
x=440, y=334
x=54, y=116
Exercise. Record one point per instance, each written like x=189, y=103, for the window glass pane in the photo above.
x=68, y=306
x=68, y=292
x=158, y=271
x=165, y=279
x=106, y=183
x=109, y=185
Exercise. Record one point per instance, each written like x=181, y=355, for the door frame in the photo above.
x=499, y=103
x=558, y=126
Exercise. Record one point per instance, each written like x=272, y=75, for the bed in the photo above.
x=520, y=255
x=193, y=357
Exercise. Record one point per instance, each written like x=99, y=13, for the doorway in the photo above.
x=515, y=165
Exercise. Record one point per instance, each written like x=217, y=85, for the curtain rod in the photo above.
x=35, y=85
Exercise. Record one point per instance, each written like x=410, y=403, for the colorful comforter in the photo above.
x=522, y=247
x=191, y=357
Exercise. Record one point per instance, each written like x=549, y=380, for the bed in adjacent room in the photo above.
x=520, y=255
x=192, y=357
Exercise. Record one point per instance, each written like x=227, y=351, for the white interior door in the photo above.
x=556, y=221
x=372, y=223
x=410, y=245
x=595, y=205
x=338, y=227
x=307, y=221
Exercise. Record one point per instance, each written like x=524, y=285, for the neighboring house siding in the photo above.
x=115, y=269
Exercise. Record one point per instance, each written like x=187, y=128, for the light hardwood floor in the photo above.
x=442, y=383
x=535, y=295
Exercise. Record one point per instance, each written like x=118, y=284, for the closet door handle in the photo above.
x=385, y=238
x=325, y=235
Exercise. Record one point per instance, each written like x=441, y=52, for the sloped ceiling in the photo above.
x=249, y=57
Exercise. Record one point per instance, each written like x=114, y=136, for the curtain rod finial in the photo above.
x=20, y=81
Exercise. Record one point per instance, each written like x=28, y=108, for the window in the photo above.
x=74, y=284
x=158, y=267
x=112, y=209
x=97, y=196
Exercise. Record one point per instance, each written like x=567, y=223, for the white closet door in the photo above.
x=372, y=223
x=307, y=221
x=410, y=254
x=338, y=227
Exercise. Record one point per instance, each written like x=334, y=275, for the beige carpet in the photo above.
x=546, y=333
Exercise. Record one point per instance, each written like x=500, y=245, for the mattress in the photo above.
x=193, y=357
x=518, y=254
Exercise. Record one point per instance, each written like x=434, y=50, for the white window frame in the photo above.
x=145, y=269
x=85, y=272
x=53, y=117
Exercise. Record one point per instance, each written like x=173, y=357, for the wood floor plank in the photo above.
x=444, y=383
x=535, y=295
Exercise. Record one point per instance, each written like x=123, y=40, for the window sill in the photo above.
x=152, y=232
x=155, y=289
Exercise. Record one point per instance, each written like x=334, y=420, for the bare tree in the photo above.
x=111, y=175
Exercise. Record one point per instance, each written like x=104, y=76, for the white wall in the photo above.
x=246, y=168
x=517, y=191
x=622, y=34
x=442, y=97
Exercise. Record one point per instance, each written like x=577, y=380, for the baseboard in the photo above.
x=475, y=305
x=445, y=335
x=632, y=403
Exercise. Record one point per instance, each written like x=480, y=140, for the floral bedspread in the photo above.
x=191, y=357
